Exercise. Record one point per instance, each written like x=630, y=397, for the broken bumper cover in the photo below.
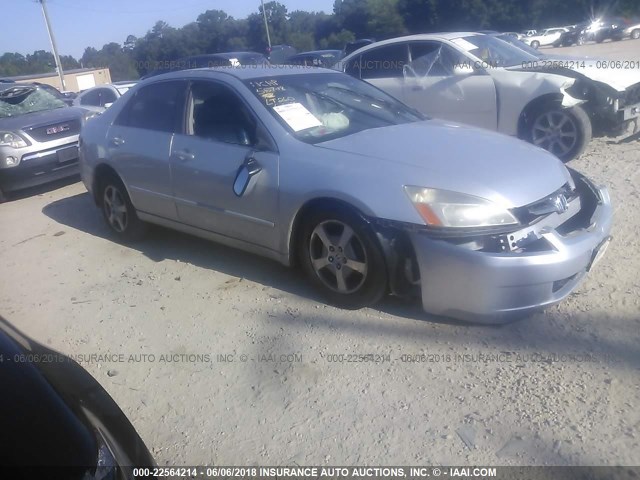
x=487, y=287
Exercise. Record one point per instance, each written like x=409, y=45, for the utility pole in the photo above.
x=53, y=44
x=266, y=24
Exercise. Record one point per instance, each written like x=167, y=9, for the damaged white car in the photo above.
x=610, y=87
x=480, y=80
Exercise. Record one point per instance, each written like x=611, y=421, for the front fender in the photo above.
x=516, y=89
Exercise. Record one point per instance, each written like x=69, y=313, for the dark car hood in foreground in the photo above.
x=462, y=159
x=41, y=118
x=52, y=409
x=38, y=428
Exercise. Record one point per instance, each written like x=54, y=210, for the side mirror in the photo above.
x=107, y=105
x=246, y=176
x=463, y=70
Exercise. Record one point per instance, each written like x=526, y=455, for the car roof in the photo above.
x=317, y=52
x=417, y=37
x=244, y=72
x=114, y=84
x=226, y=55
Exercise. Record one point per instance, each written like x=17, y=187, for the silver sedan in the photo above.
x=316, y=168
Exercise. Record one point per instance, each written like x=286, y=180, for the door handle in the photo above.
x=184, y=155
x=117, y=141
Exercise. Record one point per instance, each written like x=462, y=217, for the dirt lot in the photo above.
x=562, y=387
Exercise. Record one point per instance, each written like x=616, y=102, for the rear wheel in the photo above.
x=2, y=197
x=635, y=34
x=580, y=40
x=342, y=258
x=565, y=132
x=535, y=44
x=118, y=210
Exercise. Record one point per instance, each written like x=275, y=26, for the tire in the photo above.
x=2, y=197
x=535, y=44
x=334, y=241
x=635, y=34
x=564, y=132
x=580, y=40
x=118, y=211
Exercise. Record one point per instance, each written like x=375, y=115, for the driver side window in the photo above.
x=215, y=112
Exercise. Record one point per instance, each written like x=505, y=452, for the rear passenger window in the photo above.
x=158, y=106
x=384, y=62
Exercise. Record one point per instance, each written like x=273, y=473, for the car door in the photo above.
x=222, y=141
x=139, y=142
x=442, y=82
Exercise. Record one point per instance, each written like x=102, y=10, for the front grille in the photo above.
x=589, y=200
x=632, y=96
x=529, y=214
x=56, y=130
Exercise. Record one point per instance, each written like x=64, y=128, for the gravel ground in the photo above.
x=561, y=387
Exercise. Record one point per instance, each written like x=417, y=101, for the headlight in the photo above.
x=10, y=139
x=443, y=208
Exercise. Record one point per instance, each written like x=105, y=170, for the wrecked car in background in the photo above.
x=480, y=80
x=38, y=137
x=610, y=88
x=316, y=168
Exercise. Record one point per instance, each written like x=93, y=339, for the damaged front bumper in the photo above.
x=496, y=278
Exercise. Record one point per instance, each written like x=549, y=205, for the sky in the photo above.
x=78, y=24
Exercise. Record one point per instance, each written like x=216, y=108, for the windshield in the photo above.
x=494, y=52
x=321, y=107
x=20, y=100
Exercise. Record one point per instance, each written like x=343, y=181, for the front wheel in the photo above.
x=2, y=197
x=535, y=44
x=118, y=211
x=565, y=132
x=342, y=258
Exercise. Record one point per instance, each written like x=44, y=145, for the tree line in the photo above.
x=215, y=31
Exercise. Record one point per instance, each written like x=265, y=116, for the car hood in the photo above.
x=56, y=407
x=41, y=118
x=460, y=158
x=598, y=70
x=37, y=427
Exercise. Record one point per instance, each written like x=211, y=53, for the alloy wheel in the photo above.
x=555, y=131
x=115, y=209
x=338, y=256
